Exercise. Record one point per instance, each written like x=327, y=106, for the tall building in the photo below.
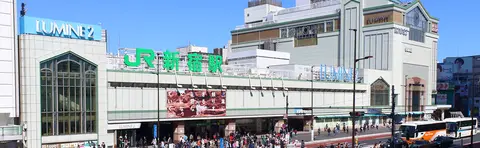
x=9, y=81
x=458, y=83
x=401, y=37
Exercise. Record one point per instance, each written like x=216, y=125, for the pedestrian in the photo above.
x=302, y=145
x=328, y=130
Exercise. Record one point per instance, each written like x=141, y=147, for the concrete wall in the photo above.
x=34, y=49
x=325, y=52
x=8, y=59
x=258, y=13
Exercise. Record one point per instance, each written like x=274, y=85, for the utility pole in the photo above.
x=393, y=116
x=158, y=100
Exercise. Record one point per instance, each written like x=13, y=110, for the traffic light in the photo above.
x=357, y=114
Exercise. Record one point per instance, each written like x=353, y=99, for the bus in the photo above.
x=461, y=127
x=422, y=130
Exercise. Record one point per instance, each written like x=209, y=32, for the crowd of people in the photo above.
x=234, y=140
x=246, y=140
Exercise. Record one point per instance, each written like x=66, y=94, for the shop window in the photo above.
x=68, y=90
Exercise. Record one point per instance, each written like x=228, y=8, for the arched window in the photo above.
x=68, y=95
x=379, y=93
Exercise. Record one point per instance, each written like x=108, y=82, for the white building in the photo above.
x=401, y=37
x=258, y=58
x=72, y=92
x=9, y=95
x=191, y=48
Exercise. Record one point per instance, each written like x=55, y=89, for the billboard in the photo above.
x=196, y=103
x=441, y=99
x=460, y=64
x=444, y=71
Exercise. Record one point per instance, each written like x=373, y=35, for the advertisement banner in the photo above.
x=441, y=99
x=443, y=86
x=460, y=65
x=196, y=103
x=444, y=71
x=461, y=89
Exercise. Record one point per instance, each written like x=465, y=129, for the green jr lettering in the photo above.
x=148, y=57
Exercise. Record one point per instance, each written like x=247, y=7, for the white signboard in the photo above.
x=123, y=126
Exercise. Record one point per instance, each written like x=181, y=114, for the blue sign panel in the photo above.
x=340, y=74
x=48, y=27
x=154, y=130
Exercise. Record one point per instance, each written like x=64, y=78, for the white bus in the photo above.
x=461, y=127
x=422, y=130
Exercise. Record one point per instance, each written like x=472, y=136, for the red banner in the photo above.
x=196, y=103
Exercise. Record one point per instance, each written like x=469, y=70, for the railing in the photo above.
x=320, y=4
x=12, y=130
x=228, y=70
x=254, y=25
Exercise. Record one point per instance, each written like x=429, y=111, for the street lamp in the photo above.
x=354, y=81
x=158, y=99
x=311, y=107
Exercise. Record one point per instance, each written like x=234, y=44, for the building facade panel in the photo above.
x=31, y=58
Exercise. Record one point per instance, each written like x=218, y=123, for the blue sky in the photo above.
x=167, y=24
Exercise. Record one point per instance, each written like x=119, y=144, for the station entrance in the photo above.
x=144, y=134
x=205, y=128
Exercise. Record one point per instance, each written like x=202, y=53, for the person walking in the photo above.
x=328, y=130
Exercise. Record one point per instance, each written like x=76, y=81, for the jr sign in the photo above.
x=171, y=60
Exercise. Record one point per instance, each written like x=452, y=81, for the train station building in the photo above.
x=71, y=91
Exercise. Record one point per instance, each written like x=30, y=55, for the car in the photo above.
x=422, y=144
x=443, y=142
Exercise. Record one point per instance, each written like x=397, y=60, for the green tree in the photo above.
x=170, y=60
x=195, y=62
x=215, y=63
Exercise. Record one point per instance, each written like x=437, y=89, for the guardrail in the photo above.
x=310, y=6
x=254, y=25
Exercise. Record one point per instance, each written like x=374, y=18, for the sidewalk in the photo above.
x=324, y=135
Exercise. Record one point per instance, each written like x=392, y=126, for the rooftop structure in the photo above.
x=253, y=3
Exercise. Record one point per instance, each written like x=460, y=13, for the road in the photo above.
x=456, y=142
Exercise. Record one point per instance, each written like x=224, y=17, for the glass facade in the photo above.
x=68, y=96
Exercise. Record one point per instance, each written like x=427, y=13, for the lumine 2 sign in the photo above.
x=171, y=60
x=47, y=27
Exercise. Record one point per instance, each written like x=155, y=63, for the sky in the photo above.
x=168, y=24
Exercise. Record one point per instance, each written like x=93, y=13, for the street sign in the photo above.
x=154, y=130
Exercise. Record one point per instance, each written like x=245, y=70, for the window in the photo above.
x=431, y=127
x=321, y=27
x=68, y=96
x=329, y=26
x=418, y=25
x=379, y=93
x=466, y=123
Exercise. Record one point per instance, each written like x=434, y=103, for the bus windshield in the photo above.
x=407, y=131
x=452, y=127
